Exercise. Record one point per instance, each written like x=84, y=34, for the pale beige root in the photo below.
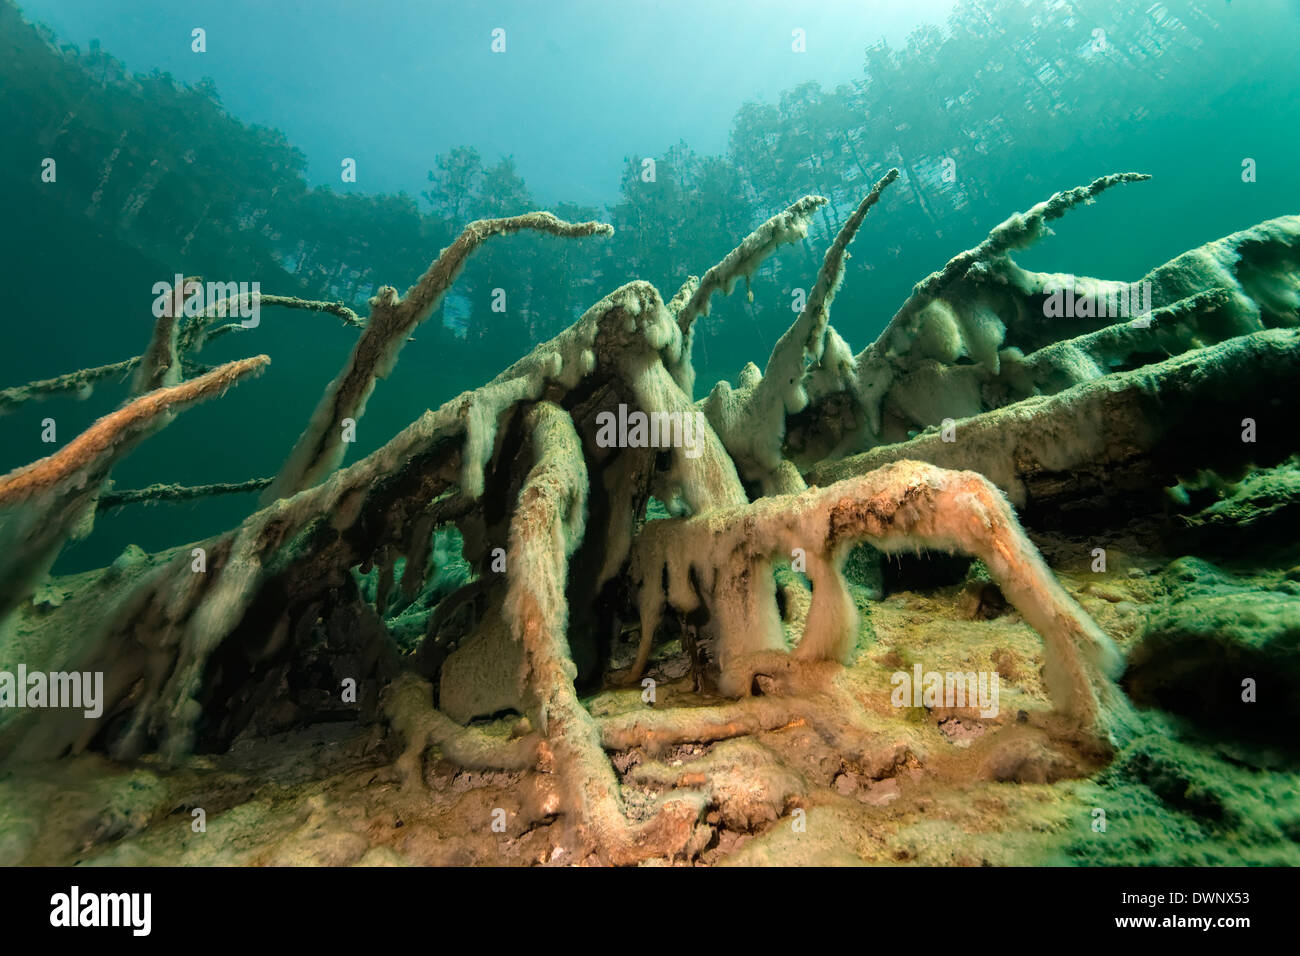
x=408, y=706
x=802, y=692
x=177, y=618
x=750, y=419
x=1186, y=324
x=979, y=334
x=1018, y=231
x=154, y=640
x=1243, y=283
x=949, y=314
x=656, y=730
x=392, y=319
x=683, y=295
x=642, y=351
x=813, y=322
x=1240, y=284
x=1116, y=426
x=993, y=312
x=706, y=480
x=789, y=225
x=912, y=369
x=544, y=530
x=1258, y=268
x=904, y=505
x=940, y=320
x=692, y=300
x=627, y=337
x=41, y=504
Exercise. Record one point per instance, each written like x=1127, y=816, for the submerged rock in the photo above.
x=1222, y=651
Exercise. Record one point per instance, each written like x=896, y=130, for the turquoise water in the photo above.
x=163, y=168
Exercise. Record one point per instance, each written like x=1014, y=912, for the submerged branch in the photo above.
x=109, y=436
x=166, y=492
x=320, y=447
x=81, y=381
x=198, y=332
x=1019, y=231
x=789, y=225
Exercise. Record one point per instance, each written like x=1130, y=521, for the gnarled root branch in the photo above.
x=42, y=503
x=1121, y=440
x=392, y=319
x=544, y=531
x=904, y=505
x=408, y=705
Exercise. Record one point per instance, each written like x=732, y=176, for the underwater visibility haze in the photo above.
x=691, y=433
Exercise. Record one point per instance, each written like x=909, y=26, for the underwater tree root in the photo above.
x=408, y=707
x=1121, y=438
x=544, y=530
x=42, y=503
x=902, y=505
x=831, y=711
x=544, y=508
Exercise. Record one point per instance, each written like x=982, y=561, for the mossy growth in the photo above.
x=1168, y=803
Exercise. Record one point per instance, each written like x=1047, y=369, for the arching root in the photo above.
x=903, y=505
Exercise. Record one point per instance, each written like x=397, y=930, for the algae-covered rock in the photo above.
x=1170, y=804
x=1222, y=651
x=1262, y=507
